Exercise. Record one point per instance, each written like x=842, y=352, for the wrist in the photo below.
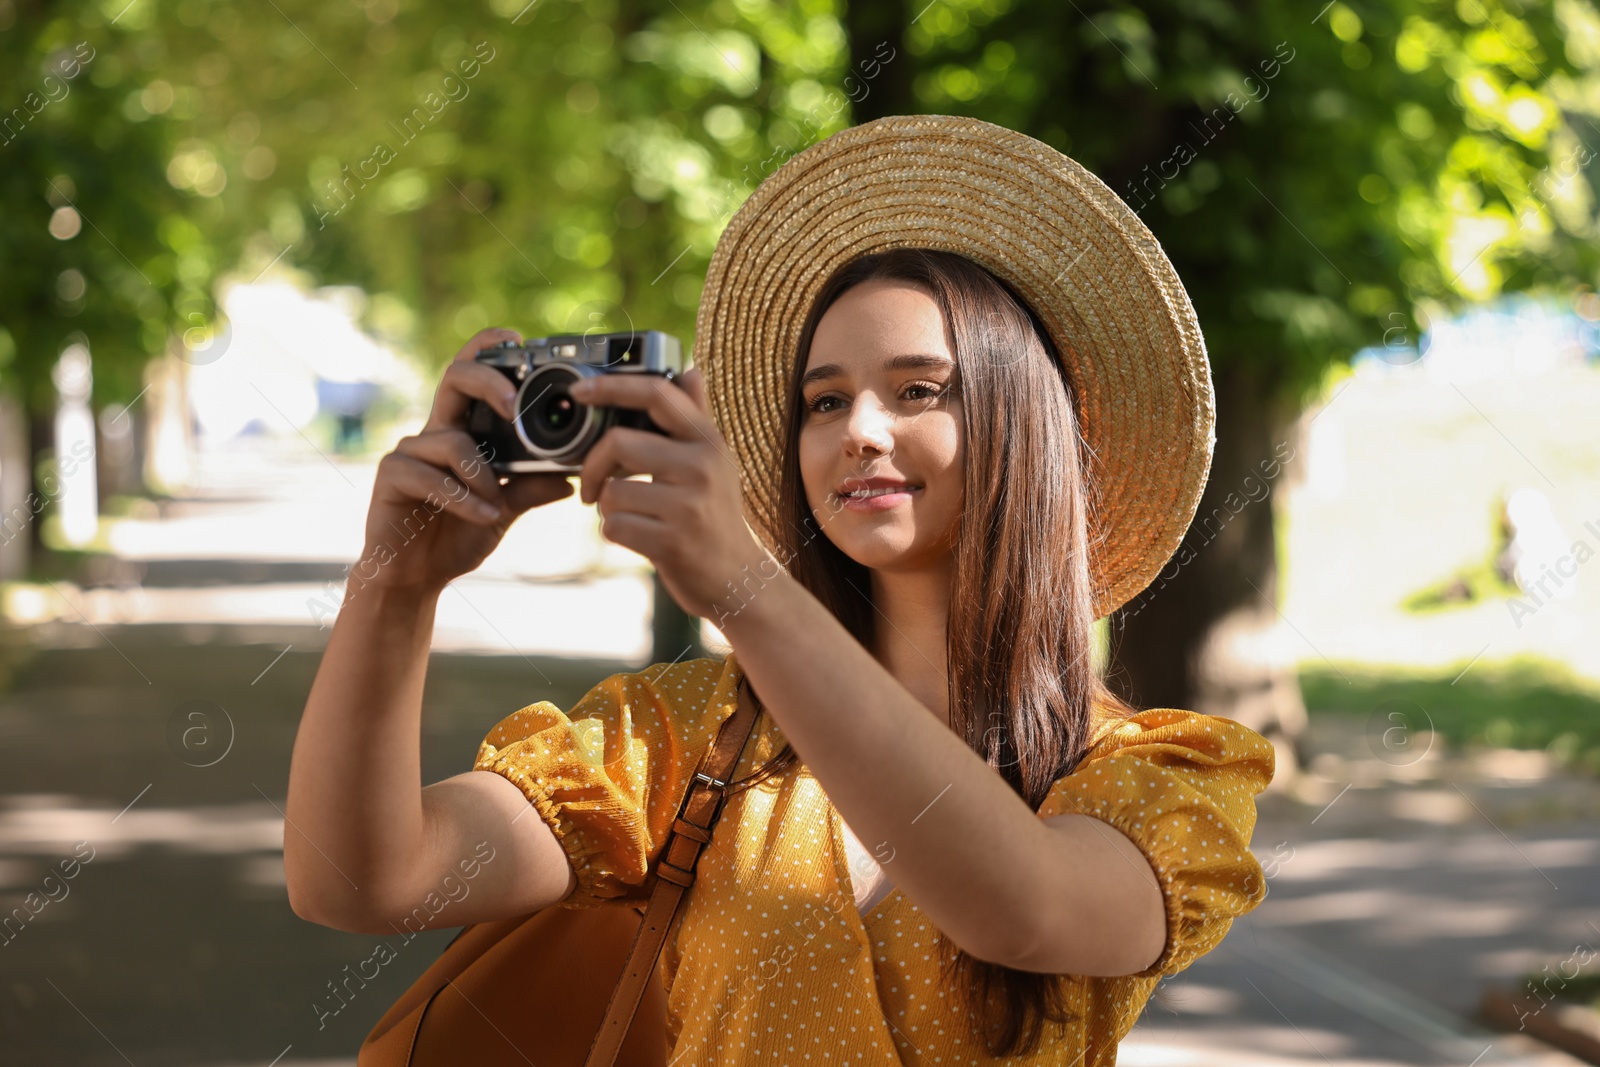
x=754, y=601
x=390, y=598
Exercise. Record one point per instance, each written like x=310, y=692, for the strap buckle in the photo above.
x=711, y=782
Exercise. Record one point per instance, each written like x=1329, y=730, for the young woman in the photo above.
x=949, y=841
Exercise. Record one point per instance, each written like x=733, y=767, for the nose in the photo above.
x=869, y=428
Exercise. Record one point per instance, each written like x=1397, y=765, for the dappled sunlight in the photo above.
x=44, y=825
x=1354, y=302
x=1405, y=470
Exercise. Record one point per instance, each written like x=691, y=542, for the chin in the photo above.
x=882, y=553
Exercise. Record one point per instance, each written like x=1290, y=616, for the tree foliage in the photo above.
x=94, y=238
x=1322, y=179
x=1317, y=176
x=554, y=165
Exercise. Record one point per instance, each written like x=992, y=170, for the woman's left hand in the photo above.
x=688, y=520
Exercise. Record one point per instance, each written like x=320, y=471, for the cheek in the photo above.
x=938, y=442
x=814, y=457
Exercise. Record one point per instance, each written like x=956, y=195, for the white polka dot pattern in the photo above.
x=770, y=961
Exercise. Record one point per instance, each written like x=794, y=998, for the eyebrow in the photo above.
x=910, y=361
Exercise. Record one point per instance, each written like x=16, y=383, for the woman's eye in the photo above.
x=914, y=391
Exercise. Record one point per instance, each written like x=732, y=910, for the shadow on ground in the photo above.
x=174, y=944
x=1402, y=880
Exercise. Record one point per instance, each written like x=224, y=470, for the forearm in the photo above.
x=355, y=827
x=966, y=848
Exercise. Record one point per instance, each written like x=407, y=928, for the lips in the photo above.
x=868, y=488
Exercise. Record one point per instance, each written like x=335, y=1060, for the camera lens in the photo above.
x=555, y=413
x=550, y=423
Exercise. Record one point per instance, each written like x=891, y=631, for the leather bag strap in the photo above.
x=675, y=870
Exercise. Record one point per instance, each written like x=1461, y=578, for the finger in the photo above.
x=434, y=490
x=464, y=382
x=640, y=533
x=483, y=339
x=686, y=407
x=694, y=384
x=526, y=491
x=600, y=463
x=668, y=406
x=640, y=497
x=455, y=451
x=625, y=451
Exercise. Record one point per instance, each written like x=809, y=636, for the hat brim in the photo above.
x=1080, y=257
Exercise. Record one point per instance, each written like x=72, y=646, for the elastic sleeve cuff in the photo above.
x=1184, y=794
x=597, y=883
x=597, y=820
x=608, y=776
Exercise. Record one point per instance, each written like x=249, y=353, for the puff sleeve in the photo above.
x=1182, y=786
x=608, y=776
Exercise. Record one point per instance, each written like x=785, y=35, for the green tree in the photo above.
x=552, y=167
x=95, y=240
x=546, y=165
x=526, y=164
x=1322, y=177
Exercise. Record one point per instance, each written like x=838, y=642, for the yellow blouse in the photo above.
x=770, y=961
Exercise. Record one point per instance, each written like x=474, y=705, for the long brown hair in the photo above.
x=1022, y=685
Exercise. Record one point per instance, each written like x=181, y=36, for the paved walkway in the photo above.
x=1399, y=889
x=1396, y=894
x=264, y=543
x=174, y=943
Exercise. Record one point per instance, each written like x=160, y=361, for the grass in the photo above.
x=1466, y=587
x=1581, y=989
x=1519, y=703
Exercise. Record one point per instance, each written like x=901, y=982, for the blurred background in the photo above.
x=239, y=242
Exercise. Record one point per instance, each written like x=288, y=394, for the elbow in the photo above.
x=307, y=899
x=343, y=915
x=1145, y=947
x=1109, y=949
x=309, y=907
x=345, y=910
x=315, y=905
x=1001, y=955
x=1020, y=946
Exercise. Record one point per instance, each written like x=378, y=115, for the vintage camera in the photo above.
x=552, y=432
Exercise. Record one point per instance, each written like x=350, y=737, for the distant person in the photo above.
x=1538, y=555
x=958, y=393
x=348, y=403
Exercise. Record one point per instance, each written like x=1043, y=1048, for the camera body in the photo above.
x=552, y=432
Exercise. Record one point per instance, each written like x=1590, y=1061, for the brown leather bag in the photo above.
x=563, y=987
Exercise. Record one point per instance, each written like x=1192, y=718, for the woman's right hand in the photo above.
x=438, y=509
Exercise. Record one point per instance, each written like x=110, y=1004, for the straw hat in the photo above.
x=1077, y=254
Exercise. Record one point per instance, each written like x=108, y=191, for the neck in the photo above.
x=913, y=609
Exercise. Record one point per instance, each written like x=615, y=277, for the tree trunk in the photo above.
x=1206, y=635
x=674, y=633
x=41, y=440
x=879, y=65
x=16, y=485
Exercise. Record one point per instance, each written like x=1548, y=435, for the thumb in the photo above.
x=527, y=491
